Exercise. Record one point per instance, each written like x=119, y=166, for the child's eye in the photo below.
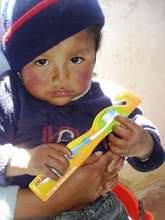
x=76, y=60
x=42, y=62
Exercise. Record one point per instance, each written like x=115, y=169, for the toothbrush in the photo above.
x=108, y=118
x=84, y=145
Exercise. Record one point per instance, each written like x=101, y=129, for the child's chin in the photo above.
x=60, y=101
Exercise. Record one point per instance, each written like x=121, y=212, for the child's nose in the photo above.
x=60, y=75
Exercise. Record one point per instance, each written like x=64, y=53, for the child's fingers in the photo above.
x=50, y=174
x=128, y=123
x=119, y=150
x=65, y=150
x=58, y=165
x=116, y=141
x=58, y=155
x=121, y=131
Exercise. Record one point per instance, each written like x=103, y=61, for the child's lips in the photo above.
x=61, y=93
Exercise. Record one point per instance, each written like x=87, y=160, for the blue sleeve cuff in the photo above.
x=156, y=159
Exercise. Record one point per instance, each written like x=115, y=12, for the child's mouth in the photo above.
x=61, y=93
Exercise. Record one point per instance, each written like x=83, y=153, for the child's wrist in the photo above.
x=145, y=157
x=18, y=163
x=149, y=146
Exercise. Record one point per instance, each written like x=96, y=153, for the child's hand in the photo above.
x=47, y=156
x=129, y=139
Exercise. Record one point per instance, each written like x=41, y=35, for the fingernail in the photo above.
x=98, y=153
x=68, y=157
x=56, y=172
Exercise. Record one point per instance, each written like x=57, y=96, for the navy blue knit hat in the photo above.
x=34, y=26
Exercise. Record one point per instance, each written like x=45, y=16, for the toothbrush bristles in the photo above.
x=109, y=115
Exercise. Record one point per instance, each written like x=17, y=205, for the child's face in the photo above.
x=63, y=72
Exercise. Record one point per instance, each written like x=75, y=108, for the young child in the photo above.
x=48, y=98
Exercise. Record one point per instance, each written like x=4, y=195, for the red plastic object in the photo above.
x=130, y=202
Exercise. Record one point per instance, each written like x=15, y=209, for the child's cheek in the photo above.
x=84, y=79
x=34, y=83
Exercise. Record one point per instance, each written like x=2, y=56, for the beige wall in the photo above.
x=133, y=52
x=133, y=55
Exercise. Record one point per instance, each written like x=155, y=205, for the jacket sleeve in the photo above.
x=157, y=156
x=6, y=126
